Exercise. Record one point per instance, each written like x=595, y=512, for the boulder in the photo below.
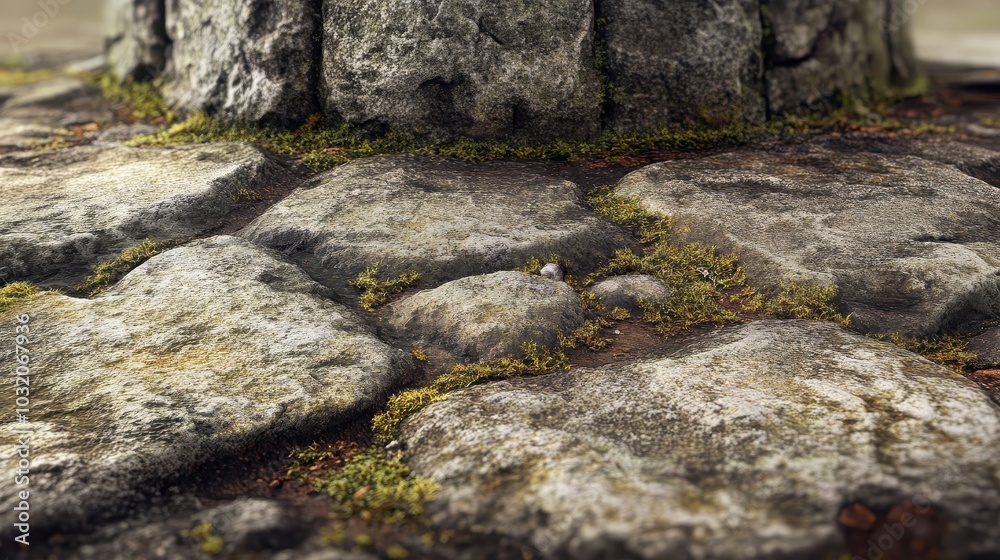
x=243, y=60
x=745, y=444
x=824, y=52
x=475, y=68
x=483, y=317
x=630, y=291
x=684, y=62
x=67, y=209
x=135, y=38
x=913, y=245
x=442, y=218
x=987, y=347
x=202, y=353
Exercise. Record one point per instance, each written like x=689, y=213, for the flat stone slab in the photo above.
x=67, y=209
x=197, y=355
x=445, y=219
x=912, y=244
x=32, y=114
x=490, y=316
x=745, y=444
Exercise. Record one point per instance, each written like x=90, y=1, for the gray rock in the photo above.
x=629, y=291
x=913, y=245
x=684, y=62
x=195, y=356
x=987, y=347
x=821, y=49
x=37, y=112
x=745, y=444
x=475, y=68
x=135, y=38
x=483, y=317
x=125, y=132
x=252, y=525
x=243, y=60
x=553, y=271
x=443, y=218
x=67, y=209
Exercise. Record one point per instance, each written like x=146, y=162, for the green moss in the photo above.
x=589, y=335
x=376, y=486
x=110, y=272
x=18, y=77
x=535, y=361
x=805, y=301
x=144, y=100
x=708, y=287
x=949, y=351
x=400, y=407
x=16, y=292
x=208, y=542
x=620, y=314
x=376, y=292
x=249, y=195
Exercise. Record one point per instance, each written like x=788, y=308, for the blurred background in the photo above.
x=964, y=32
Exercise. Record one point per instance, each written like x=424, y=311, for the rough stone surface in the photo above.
x=987, y=346
x=553, y=271
x=819, y=49
x=444, y=219
x=745, y=444
x=32, y=114
x=135, y=38
x=490, y=316
x=243, y=60
x=66, y=209
x=249, y=528
x=628, y=291
x=197, y=355
x=913, y=245
x=477, y=68
x=685, y=62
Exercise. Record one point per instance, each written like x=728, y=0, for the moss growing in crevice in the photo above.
x=208, y=542
x=535, y=361
x=16, y=292
x=708, y=288
x=376, y=292
x=143, y=101
x=377, y=486
x=110, y=272
x=948, y=350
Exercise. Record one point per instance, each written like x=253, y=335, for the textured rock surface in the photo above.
x=32, y=114
x=628, y=291
x=442, y=218
x=912, y=244
x=490, y=316
x=818, y=49
x=65, y=209
x=987, y=347
x=474, y=67
x=683, y=62
x=249, y=60
x=135, y=38
x=746, y=444
x=195, y=356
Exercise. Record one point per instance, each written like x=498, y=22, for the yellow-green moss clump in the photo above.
x=590, y=334
x=144, y=100
x=208, y=542
x=708, y=288
x=949, y=350
x=110, y=272
x=376, y=486
x=15, y=292
x=535, y=361
x=376, y=292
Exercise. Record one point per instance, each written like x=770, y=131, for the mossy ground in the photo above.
x=143, y=101
x=948, y=350
x=110, y=272
x=208, y=542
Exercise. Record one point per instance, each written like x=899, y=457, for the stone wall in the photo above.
x=522, y=70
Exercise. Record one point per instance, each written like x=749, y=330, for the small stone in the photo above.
x=553, y=271
x=392, y=445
